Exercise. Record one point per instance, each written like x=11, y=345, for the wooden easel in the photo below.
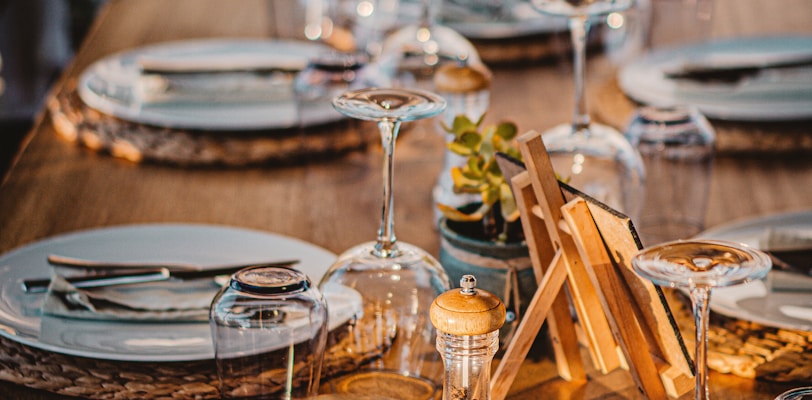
x=581, y=251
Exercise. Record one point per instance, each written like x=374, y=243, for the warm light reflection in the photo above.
x=163, y=342
x=423, y=34
x=578, y=163
x=615, y=20
x=365, y=9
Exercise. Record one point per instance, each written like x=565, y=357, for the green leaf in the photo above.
x=507, y=131
x=464, y=182
x=510, y=211
x=457, y=215
x=490, y=196
x=470, y=139
x=460, y=149
x=460, y=125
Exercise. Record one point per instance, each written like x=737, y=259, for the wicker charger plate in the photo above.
x=614, y=108
x=748, y=349
x=103, y=379
x=79, y=123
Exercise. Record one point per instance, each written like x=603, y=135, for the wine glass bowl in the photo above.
x=599, y=161
x=374, y=104
x=800, y=393
x=397, y=281
x=701, y=263
x=699, y=266
x=569, y=8
x=415, y=51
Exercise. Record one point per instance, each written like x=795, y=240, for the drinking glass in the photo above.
x=677, y=145
x=396, y=280
x=415, y=51
x=592, y=157
x=699, y=266
x=269, y=328
x=800, y=393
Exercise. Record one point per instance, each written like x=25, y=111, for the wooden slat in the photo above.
x=615, y=299
x=557, y=315
x=548, y=194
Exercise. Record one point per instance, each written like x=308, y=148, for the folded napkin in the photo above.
x=787, y=84
x=216, y=77
x=214, y=87
x=156, y=301
x=793, y=247
x=170, y=301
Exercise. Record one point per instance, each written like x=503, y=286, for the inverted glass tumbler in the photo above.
x=269, y=327
x=677, y=145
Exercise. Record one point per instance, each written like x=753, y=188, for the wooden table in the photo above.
x=56, y=187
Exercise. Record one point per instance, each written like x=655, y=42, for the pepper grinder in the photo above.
x=467, y=321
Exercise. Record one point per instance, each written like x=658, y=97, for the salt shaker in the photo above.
x=466, y=88
x=467, y=321
x=269, y=330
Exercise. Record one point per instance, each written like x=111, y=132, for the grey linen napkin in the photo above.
x=157, y=301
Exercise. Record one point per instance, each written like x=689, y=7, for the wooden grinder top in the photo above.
x=467, y=311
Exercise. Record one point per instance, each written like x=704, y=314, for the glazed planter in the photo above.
x=503, y=269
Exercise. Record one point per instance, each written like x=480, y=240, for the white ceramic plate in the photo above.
x=780, y=94
x=21, y=320
x=521, y=20
x=753, y=301
x=109, y=85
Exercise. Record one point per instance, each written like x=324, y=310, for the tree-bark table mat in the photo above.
x=613, y=107
x=88, y=127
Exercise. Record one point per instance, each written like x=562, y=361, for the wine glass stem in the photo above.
x=579, y=28
x=385, y=247
x=427, y=13
x=700, y=299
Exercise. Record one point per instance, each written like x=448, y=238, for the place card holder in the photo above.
x=581, y=252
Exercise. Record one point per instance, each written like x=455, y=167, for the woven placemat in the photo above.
x=748, y=349
x=77, y=122
x=105, y=379
x=613, y=107
x=524, y=49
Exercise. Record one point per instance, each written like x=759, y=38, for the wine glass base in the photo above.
x=599, y=161
x=385, y=385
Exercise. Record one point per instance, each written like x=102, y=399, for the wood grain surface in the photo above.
x=55, y=186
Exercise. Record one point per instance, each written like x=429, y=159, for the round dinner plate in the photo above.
x=754, y=301
x=22, y=321
x=520, y=20
x=780, y=94
x=109, y=85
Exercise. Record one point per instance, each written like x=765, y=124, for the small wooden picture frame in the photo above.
x=581, y=251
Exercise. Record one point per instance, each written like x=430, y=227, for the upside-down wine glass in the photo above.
x=699, y=266
x=392, y=340
x=593, y=157
x=415, y=51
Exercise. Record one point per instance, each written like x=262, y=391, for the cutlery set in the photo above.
x=102, y=273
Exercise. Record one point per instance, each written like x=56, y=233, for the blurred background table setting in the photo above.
x=200, y=131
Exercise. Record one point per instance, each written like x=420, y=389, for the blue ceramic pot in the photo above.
x=503, y=269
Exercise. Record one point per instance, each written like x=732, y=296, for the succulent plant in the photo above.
x=481, y=173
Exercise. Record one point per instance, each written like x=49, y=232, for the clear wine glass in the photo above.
x=593, y=157
x=699, y=266
x=800, y=393
x=392, y=341
x=413, y=52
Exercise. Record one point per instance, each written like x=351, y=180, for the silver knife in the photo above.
x=131, y=276
x=734, y=73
